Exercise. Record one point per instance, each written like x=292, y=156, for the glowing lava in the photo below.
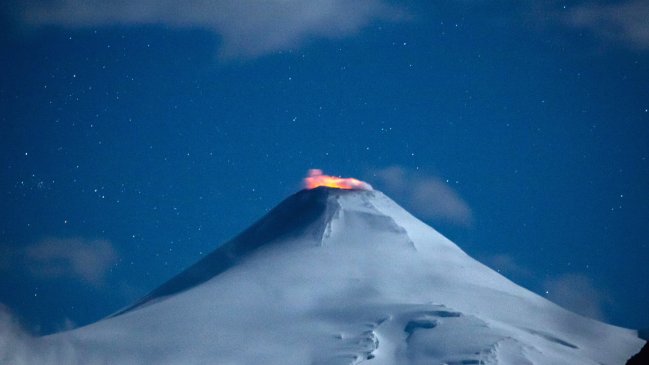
x=316, y=178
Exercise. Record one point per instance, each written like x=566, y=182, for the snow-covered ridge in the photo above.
x=309, y=212
x=301, y=213
x=341, y=277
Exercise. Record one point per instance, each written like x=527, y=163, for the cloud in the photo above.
x=248, y=28
x=573, y=291
x=15, y=343
x=624, y=22
x=429, y=197
x=85, y=260
x=19, y=347
x=577, y=292
x=506, y=265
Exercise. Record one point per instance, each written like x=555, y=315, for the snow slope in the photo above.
x=339, y=277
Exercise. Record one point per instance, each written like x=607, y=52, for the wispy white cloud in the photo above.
x=506, y=265
x=248, y=28
x=16, y=344
x=624, y=22
x=578, y=293
x=19, y=347
x=574, y=291
x=77, y=258
x=427, y=196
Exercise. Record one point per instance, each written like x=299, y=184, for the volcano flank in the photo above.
x=335, y=276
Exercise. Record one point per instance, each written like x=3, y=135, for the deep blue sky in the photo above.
x=134, y=141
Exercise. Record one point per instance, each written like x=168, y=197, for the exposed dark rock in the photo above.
x=641, y=358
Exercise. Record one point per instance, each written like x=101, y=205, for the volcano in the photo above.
x=333, y=276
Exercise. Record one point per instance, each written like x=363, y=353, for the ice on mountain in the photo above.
x=335, y=276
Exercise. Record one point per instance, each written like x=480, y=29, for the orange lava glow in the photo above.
x=316, y=178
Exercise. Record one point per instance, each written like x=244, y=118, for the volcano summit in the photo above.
x=333, y=276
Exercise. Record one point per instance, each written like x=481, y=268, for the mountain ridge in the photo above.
x=337, y=277
x=311, y=203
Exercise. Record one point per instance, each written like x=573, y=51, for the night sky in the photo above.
x=135, y=137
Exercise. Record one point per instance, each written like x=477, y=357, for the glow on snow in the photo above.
x=316, y=178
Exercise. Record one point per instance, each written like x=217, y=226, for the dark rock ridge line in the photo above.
x=292, y=217
x=641, y=358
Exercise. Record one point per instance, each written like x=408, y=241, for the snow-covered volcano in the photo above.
x=336, y=276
